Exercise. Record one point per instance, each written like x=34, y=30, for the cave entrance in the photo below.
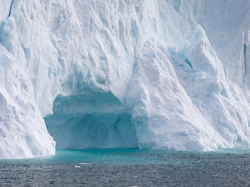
x=85, y=123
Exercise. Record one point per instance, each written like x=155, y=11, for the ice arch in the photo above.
x=95, y=120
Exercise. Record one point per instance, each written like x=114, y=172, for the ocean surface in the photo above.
x=130, y=167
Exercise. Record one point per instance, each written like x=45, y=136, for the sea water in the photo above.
x=130, y=167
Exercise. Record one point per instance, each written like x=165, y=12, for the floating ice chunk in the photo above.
x=86, y=163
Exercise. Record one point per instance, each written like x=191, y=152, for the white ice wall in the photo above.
x=23, y=133
x=124, y=73
x=4, y=8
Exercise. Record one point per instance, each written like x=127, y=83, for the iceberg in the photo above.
x=152, y=74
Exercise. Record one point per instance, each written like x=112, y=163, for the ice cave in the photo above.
x=146, y=74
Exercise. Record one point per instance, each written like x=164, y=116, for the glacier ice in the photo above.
x=149, y=74
x=23, y=133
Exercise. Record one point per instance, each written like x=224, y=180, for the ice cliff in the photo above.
x=148, y=74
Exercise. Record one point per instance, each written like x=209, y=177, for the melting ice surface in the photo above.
x=129, y=167
x=152, y=74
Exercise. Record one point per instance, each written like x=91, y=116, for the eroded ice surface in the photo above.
x=149, y=74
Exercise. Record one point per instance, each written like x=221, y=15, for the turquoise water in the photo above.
x=130, y=167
